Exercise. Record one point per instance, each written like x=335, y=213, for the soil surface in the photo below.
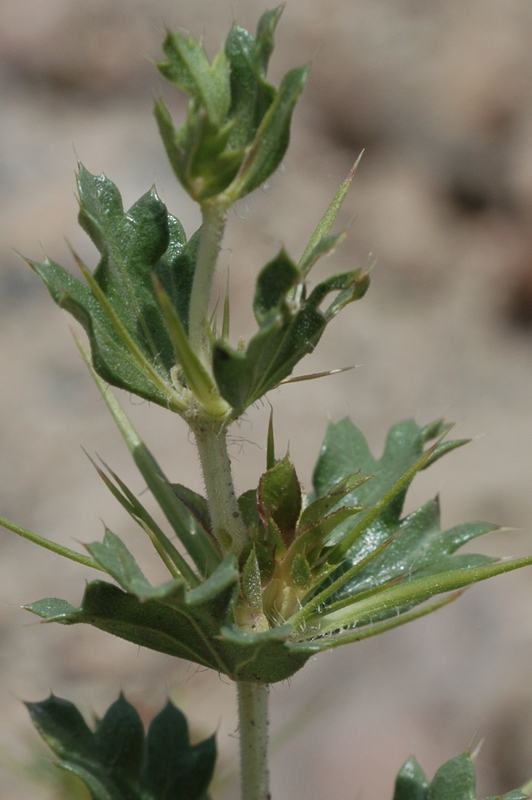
x=440, y=97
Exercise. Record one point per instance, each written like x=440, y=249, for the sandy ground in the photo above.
x=440, y=96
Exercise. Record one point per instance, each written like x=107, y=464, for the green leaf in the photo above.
x=165, y=548
x=130, y=245
x=411, y=782
x=198, y=152
x=273, y=285
x=418, y=545
x=319, y=508
x=201, y=547
x=189, y=69
x=272, y=137
x=62, y=727
x=324, y=247
x=251, y=94
x=119, y=740
x=288, y=330
x=116, y=762
x=320, y=243
x=312, y=540
x=118, y=562
x=455, y=780
x=279, y=499
x=385, y=565
x=196, y=625
x=194, y=373
x=176, y=769
x=130, y=344
x=196, y=504
x=58, y=549
x=194, y=538
x=392, y=600
x=238, y=124
x=345, y=452
x=175, y=270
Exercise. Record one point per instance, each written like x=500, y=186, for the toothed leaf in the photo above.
x=117, y=762
x=288, y=330
x=196, y=625
x=251, y=94
x=238, y=125
x=130, y=344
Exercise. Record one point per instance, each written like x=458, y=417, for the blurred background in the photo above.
x=439, y=95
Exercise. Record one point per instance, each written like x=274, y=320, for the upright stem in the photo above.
x=227, y=523
x=253, y=716
x=212, y=231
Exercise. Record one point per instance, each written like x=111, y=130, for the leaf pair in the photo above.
x=290, y=326
x=135, y=306
x=238, y=125
x=455, y=780
x=117, y=762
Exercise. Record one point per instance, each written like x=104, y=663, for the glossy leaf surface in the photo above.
x=260, y=620
x=383, y=565
x=130, y=344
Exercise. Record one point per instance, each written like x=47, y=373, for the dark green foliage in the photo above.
x=195, y=625
x=290, y=326
x=238, y=125
x=313, y=598
x=116, y=761
x=130, y=344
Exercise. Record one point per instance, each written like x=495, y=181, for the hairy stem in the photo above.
x=253, y=718
x=228, y=526
x=214, y=218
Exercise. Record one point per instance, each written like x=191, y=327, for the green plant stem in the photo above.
x=214, y=218
x=227, y=524
x=253, y=717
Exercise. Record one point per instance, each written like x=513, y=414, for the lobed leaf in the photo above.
x=345, y=451
x=380, y=565
x=196, y=625
x=117, y=762
x=130, y=342
x=287, y=332
x=238, y=125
